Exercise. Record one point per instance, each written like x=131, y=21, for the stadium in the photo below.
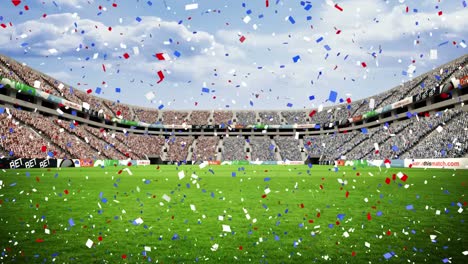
x=87, y=179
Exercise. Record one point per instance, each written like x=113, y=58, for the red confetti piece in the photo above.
x=110, y=29
x=104, y=67
x=126, y=56
x=338, y=7
x=38, y=179
x=404, y=178
x=410, y=166
x=26, y=7
x=43, y=148
x=120, y=171
x=240, y=247
x=440, y=13
x=321, y=187
x=369, y=217
x=302, y=205
x=129, y=164
x=16, y=2
x=160, y=56
x=242, y=39
x=353, y=253
x=348, y=100
x=3, y=25
x=318, y=214
x=389, y=232
x=337, y=222
x=394, y=177
x=89, y=91
x=347, y=194
x=407, y=9
x=338, y=32
x=311, y=221
x=387, y=181
x=66, y=191
x=100, y=238
x=312, y=113
x=267, y=4
x=39, y=240
x=363, y=64
x=119, y=113
x=264, y=196
x=161, y=76
x=124, y=256
x=114, y=4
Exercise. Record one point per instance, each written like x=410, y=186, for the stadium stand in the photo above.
x=435, y=128
x=289, y=148
x=262, y=149
x=146, y=115
x=222, y=117
x=199, y=118
x=233, y=148
x=206, y=149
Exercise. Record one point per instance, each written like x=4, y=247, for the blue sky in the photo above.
x=73, y=42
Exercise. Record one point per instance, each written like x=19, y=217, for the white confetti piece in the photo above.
x=89, y=243
x=166, y=198
x=214, y=247
x=37, y=84
x=191, y=6
x=346, y=234
x=147, y=248
x=367, y=244
x=246, y=19
x=181, y=175
x=220, y=217
x=226, y=228
x=139, y=221
x=192, y=207
x=267, y=190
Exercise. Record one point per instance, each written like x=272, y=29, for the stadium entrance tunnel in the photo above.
x=312, y=160
x=156, y=160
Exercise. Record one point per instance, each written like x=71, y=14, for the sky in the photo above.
x=230, y=55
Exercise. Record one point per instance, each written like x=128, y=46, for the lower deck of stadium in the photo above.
x=442, y=134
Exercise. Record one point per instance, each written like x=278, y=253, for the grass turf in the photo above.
x=308, y=215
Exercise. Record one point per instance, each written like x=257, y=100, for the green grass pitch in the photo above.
x=222, y=214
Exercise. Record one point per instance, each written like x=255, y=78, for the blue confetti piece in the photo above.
x=50, y=154
x=409, y=207
x=233, y=174
x=309, y=18
x=289, y=105
x=161, y=107
x=277, y=238
x=379, y=213
x=332, y=96
x=319, y=39
x=364, y=130
x=464, y=3
x=98, y=90
x=138, y=19
x=177, y=54
x=71, y=222
x=291, y=19
x=117, y=90
x=55, y=4
x=308, y=7
x=267, y=179
x=149, y=3
x=248, y=12
x=24, y=44
x=251, y=103
x=330, y=225
x=340, y=216
x=296, y=58
x=443, y=43
x=327, y=47
x=2, y=110
x=104, y=200
x=395, y=148
x=312, y=97
x=387, y=255
x=205, y=90
x=212, y=195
